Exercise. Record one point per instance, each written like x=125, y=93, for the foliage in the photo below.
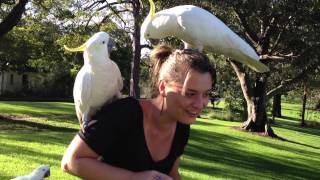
x=32, y=47
x=36, y=45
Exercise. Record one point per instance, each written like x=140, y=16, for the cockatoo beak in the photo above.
x=154, y=41
x=80, y=48
x=110, y=45
x=47, y=174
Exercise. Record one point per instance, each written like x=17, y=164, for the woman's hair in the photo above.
x=173, y=65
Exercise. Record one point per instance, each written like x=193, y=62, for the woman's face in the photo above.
x=185, y=101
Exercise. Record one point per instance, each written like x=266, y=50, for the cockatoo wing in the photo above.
x=202, y=29
x=119, y=81
x=191, y=25
x=119, y=76
x=249, y=58
x=21, y=178
x=38, y=174
x=82, y=92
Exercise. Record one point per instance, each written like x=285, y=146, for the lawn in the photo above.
x=216, y=149
x=41, y=137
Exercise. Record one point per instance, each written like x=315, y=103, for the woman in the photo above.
x=144, y=139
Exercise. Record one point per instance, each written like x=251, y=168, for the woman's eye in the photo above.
x=189, y=94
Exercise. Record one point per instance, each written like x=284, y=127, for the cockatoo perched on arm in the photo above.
x=199, y=29
x=39, y=173
x=99, y=81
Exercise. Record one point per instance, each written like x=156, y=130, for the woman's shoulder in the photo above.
x=126, y=100
x=119, y=111
x=126, y=103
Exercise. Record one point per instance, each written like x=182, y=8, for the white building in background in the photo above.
x=14, y=82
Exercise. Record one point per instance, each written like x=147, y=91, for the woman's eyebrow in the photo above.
x=193, y=90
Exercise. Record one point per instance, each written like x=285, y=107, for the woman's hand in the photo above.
x=150, y=175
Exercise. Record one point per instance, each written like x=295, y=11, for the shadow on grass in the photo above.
x=14, y=124
x=294, y=109
x=207, y=124
x=29, y=154
x=27, y=105
x=290, y=118
x=32, y=147
x=239, y=163
x=57, y=110
x=298, y=128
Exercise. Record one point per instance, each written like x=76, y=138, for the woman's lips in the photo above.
x=192, y=114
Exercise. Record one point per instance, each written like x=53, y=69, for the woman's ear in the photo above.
x=162, y=88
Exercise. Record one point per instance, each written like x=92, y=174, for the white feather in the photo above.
x=99, y=80
x=200, y=29
x=37, y=174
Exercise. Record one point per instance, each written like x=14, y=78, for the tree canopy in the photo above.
x=284, y=33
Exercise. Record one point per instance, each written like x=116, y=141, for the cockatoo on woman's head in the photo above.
x=39, y=173
x=99, y=81
x=199, y=29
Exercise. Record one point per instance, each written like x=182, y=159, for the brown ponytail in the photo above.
x=158, y=56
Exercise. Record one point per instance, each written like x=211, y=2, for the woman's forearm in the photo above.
x=89, y=168
x=92, y=169
x=83, y=162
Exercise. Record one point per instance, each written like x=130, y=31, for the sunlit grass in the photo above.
x=217, y=149
x=39, y=135
x=55, y=114
x=22, y=151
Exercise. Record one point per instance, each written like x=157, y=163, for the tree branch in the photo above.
x=279, y=57
x=94, y=4
x=287, y=85
x=243, y=78
x=13, y=17
x=276, y=43
x=109, y=5
x=248, y=31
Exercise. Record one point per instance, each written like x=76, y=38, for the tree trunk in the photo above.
x=245, y=112
x=135, y=65
x=317, y=106
x=255, y=97
x=2, y=83
x=276, y=106
x=304, y=101
x=13, y=17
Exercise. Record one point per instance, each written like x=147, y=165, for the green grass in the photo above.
x=41, y=138
x=219, y=151
x=216, y=149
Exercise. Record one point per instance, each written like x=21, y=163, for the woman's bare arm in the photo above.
x=80, y=160
x=175, y=170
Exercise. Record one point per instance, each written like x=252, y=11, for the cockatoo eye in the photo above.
x=103, y=42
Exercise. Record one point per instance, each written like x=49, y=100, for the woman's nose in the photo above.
x=199, y=102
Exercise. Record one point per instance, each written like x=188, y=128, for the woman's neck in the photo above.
x=156, y=116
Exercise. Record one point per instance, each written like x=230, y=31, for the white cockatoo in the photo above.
x=39, y=173
x=99, y=81
x=200, y=29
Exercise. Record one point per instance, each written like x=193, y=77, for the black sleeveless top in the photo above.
x=116, y=133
